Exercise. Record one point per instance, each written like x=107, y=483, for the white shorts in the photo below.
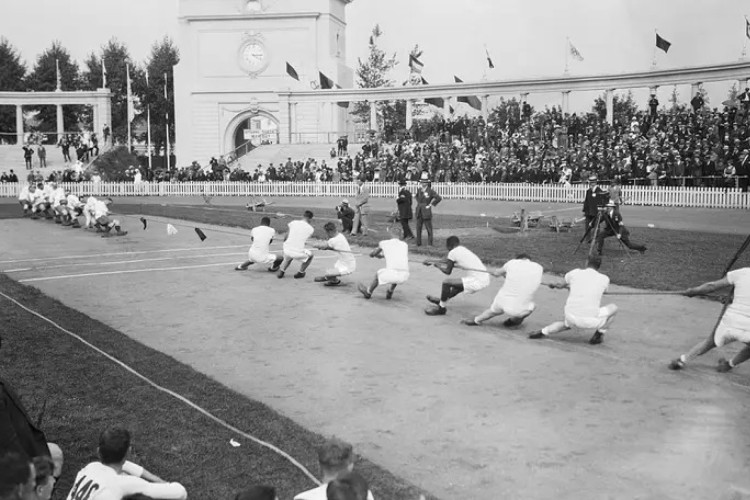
x=511, y=308
x=584, y=323
x=392, y=276
x=339, y=269
x=297, y=254
x=473, y=284
x=726, y=335
x=260, y=258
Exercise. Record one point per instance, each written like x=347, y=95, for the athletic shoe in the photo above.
x=597, y=338
x=332, y=283
x=433, y=299
x=389, y=294
x=537, y=335
x=469, y=322
x=723, y=366
x=240, y=268
x=436, y=311
x=363, y=289
x=299, y=275
x=510, y=322
x=281, y=274
x=273, y=269
x=676, y=364
x=320, y=279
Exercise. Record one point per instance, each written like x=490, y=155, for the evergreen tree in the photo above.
x=164, y=56
x=116, y=57
x=43, y=78
x=374, y=73
x=12, y=74
x=624, y=107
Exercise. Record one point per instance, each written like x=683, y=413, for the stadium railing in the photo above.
x=697, y=197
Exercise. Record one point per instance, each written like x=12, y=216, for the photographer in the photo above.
x=346, y=214
x=611, y=225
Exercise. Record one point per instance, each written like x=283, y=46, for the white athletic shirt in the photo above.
x=299, y=232
x=57, y=196
x=47, y=192
x=320, y=493
x=522, y=278
x=586, y=289
x=73, y=201
x=465, y=258
x=344, y=251
x=90, y=203
x=96, y=481
x=396, y=254
x=262, y=236
x=100, y=209
x=738, y=313
x=24, y=194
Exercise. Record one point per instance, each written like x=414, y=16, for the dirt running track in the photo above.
x=463, y=412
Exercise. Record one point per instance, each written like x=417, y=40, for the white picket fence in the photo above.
x=696, y=197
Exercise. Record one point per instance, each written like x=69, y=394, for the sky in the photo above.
x=525, y=38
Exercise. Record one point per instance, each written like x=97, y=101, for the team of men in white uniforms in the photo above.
x=51, y=201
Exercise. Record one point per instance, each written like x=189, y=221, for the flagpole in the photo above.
x=166, y=96
x=744, y=41
x=653, y=63
x=130, y=133
x=567, y=49
x=148, y=135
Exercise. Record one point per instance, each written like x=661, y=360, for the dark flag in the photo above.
x=200, y=234
x=489, y=59
x=436, y=101
x=415, y=64
x=471, y=100
x=424, y=82
x=458, y=80
x=291, y=71
x=662, y=43
x=451, y=110
x=325, y=82
x=747, y=28
x=344, y=105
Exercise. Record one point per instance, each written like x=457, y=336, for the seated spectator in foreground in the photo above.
x=115, y=477
x=257, y=492
x=19, y=434
x=336, y=461
x=350, y=486
x=44, y=481
x=16, y=477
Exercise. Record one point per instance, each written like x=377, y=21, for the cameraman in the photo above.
x=346, y=214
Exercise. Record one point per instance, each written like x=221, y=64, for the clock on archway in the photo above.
x=253, y=55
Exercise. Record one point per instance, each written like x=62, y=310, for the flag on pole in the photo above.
x=104, y=74
x=291, y=71
x=662, y=44
x=57, y=74
x=325, y=82
x=747, y=27
x=489, y=59
x=457, y=79
x=436, y=101
x=471, y=100
x=574, y=53
x=415, y=64
x=129, y=90
x=424, y=82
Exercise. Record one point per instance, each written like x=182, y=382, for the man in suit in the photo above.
x=404, y=209
x=612, y=225
x=595, y=198
x=361, y=207
x=653, y=105
x=427, y=198
x=742, y=169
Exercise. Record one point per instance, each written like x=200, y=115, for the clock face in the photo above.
x=254, y=56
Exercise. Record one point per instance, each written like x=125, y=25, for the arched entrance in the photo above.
x=257, y=127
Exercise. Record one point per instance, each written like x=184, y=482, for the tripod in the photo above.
x=595, y=227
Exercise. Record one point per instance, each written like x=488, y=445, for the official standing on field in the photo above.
x=427, y=199
x=404, y=209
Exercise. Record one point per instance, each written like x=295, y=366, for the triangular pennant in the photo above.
x=144, y=222
x=171, y=230
x=200, y=234
x=291, y=71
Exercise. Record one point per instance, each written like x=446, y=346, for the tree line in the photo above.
x=115, y=56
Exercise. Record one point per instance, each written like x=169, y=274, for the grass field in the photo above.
x=84, y=393
x=674, y=260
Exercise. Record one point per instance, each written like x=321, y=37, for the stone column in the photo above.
x=694, y=89
x=485, y=107
x=610, y=100
x=447, y=107
x=98, y=126
x=566, y=101
x=409, y=114
x=374, y=116
x=60, y=122
x=293, y=123
x=19, y=124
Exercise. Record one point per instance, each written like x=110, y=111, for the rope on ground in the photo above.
x=183, y=399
